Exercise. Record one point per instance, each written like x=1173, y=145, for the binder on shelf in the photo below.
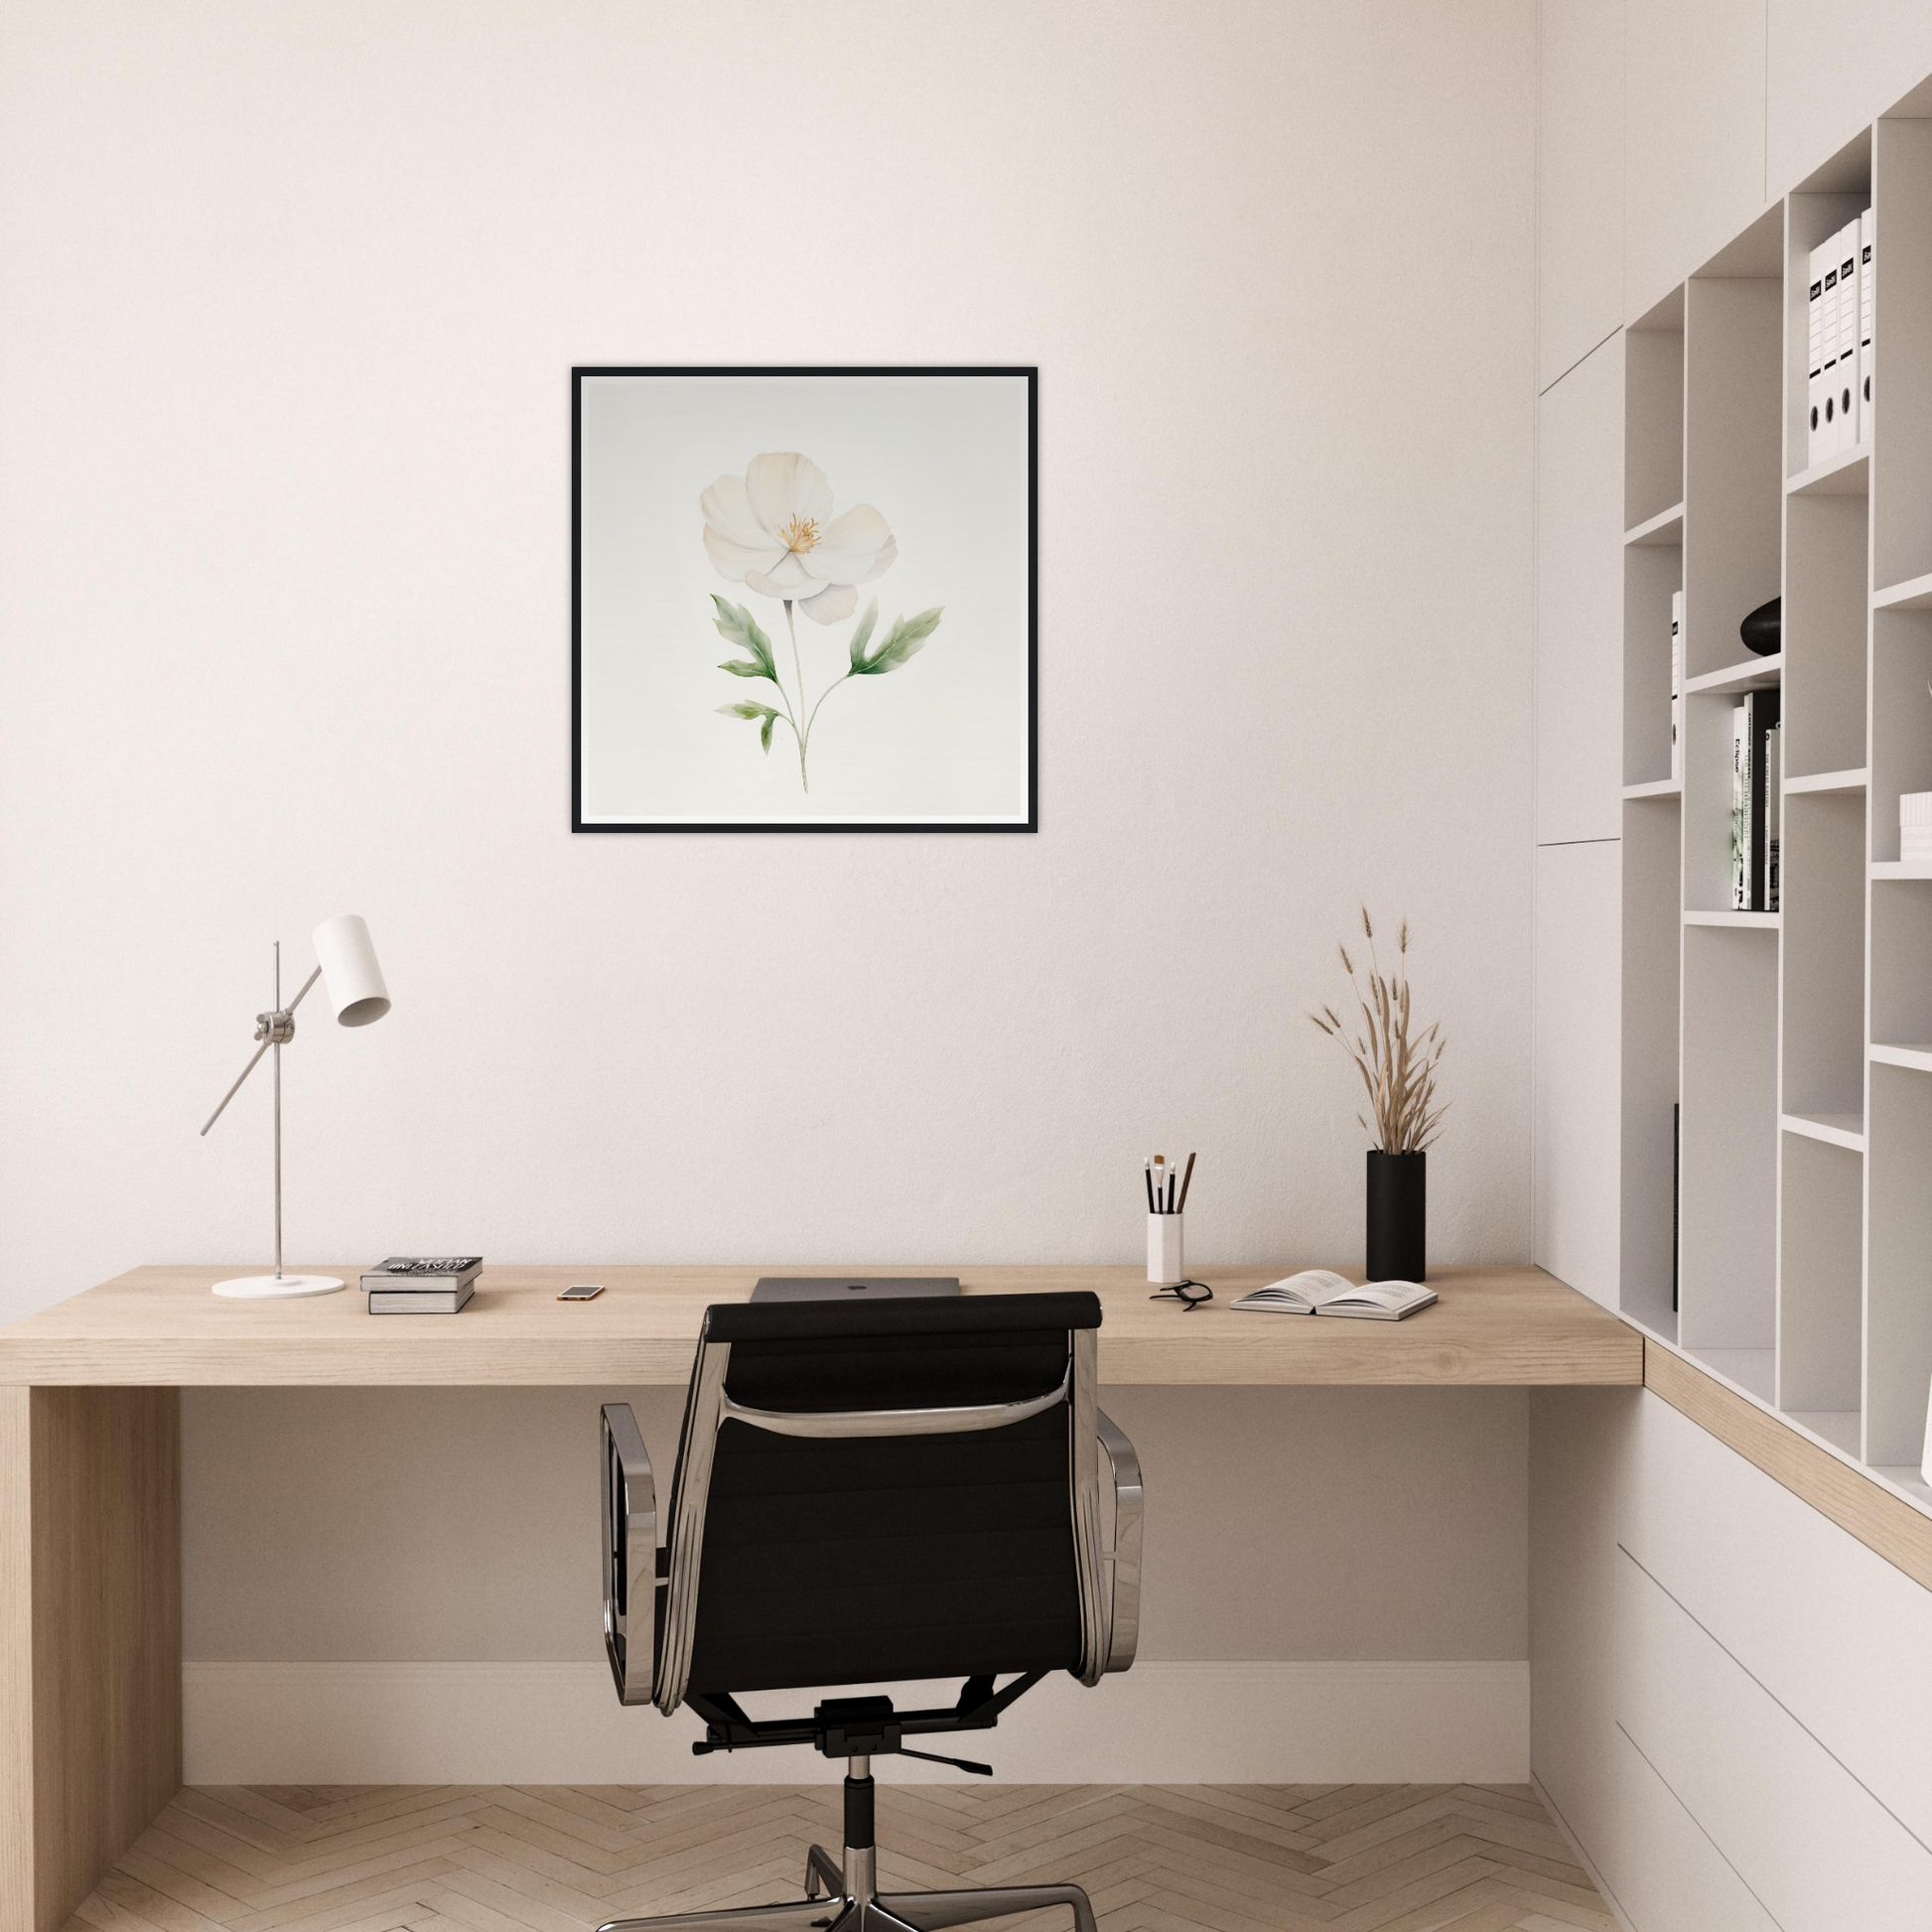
x=1848, y=336
x=1866, y=302
x=1773, y=814
x=1815, y=358
x=1677, y=686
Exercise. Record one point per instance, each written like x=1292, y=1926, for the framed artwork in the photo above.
x=803, y=600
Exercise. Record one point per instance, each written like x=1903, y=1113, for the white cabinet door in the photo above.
x=1580, y=602
x=1693, y=137
x=1578, y=179
x=1575, y=1201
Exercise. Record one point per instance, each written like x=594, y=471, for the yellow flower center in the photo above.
x=801, y=534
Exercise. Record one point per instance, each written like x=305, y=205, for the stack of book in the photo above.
x=1754, y=803
x=422, y=1284
x=1839, y=362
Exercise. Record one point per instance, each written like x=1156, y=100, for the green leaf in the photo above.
x=745, y=709
x=764, y=733
x=737, y=626
x=904, y=641
x=863, y=635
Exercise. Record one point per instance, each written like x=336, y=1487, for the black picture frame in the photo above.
x=583, y=371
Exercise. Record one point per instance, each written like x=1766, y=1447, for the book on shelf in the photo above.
x=1320, y=1290
x=1676, y=1193
x=1773, y=812
x=1677, y=687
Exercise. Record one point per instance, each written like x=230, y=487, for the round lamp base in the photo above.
x=276, y=1288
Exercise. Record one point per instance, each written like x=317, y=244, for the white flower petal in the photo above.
x=786, y=578
x=832, y=605
x=784, y=486
x=734, y=560
x=853, y=549
x=727, y=510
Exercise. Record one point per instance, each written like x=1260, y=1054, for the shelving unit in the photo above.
x=1797, y=1044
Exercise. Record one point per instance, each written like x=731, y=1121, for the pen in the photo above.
x=1186, y=1181
x=1147, y=1176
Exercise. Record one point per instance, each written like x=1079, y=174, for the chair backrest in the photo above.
x=886, y=1491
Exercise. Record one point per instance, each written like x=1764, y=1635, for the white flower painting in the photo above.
x=773, y=531
x=840, y=516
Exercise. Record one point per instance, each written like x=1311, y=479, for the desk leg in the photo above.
x=89, y=1637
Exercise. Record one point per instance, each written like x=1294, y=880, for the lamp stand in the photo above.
x=274, y=1029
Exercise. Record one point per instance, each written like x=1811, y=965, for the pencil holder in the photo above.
x=1163, y=1262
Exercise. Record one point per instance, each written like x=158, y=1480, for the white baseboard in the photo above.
x=561, y=1723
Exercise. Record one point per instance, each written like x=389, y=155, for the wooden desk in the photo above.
x=90, y=1461
x=160, y=1328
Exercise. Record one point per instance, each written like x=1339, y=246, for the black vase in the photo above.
x=1398, y=1216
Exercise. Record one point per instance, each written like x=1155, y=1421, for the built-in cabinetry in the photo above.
x=1796, y=1043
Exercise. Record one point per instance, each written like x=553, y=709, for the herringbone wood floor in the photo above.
x=562, y=1858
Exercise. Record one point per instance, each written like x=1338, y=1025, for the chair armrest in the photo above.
x=630, y=1555
x=1123, y=1622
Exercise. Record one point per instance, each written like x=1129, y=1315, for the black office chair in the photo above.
x=867, y=1494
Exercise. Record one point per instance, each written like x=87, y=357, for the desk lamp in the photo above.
x=353, y=982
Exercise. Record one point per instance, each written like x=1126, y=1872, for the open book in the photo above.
x=1320, y=1291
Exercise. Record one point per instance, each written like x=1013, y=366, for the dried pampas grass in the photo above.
x=1398, y=1071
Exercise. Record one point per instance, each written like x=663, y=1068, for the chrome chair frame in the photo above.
x=650, y=1644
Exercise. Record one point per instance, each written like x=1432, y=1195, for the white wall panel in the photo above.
x=1580, y=602
x=1814, y=1845
x=1574, y=1108
x=1580, y=180
x=1831, y=66
x=1694, y=137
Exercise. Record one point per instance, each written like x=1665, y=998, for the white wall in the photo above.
x=289, y=302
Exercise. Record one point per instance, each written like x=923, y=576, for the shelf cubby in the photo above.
x=1898, y=1309
x=1734, y=480
x=1826, y=612
x=1901, y=718
x=1652, y=573
x=1821, y=1285
x=1823, y=922
x=1653, y=433
x=1652, y=952
x=1901, y=401
x=1729, y=1084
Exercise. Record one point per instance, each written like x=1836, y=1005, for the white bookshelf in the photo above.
x=1797, y=1042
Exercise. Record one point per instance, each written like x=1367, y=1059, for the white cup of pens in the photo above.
x=1167, y=1204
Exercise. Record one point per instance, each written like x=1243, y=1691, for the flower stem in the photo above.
x=822, y=696
x=799, y=669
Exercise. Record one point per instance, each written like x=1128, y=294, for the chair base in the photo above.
x=857, y=1908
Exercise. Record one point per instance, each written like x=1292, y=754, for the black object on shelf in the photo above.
x=1675, y=1192
x=1763, y=630
x=1398, y=1216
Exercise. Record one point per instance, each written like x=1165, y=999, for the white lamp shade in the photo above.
x=350, y=975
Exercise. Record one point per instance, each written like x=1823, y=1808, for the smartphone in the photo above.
x=582, y=1291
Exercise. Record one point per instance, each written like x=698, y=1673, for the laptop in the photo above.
x=849, y=1288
